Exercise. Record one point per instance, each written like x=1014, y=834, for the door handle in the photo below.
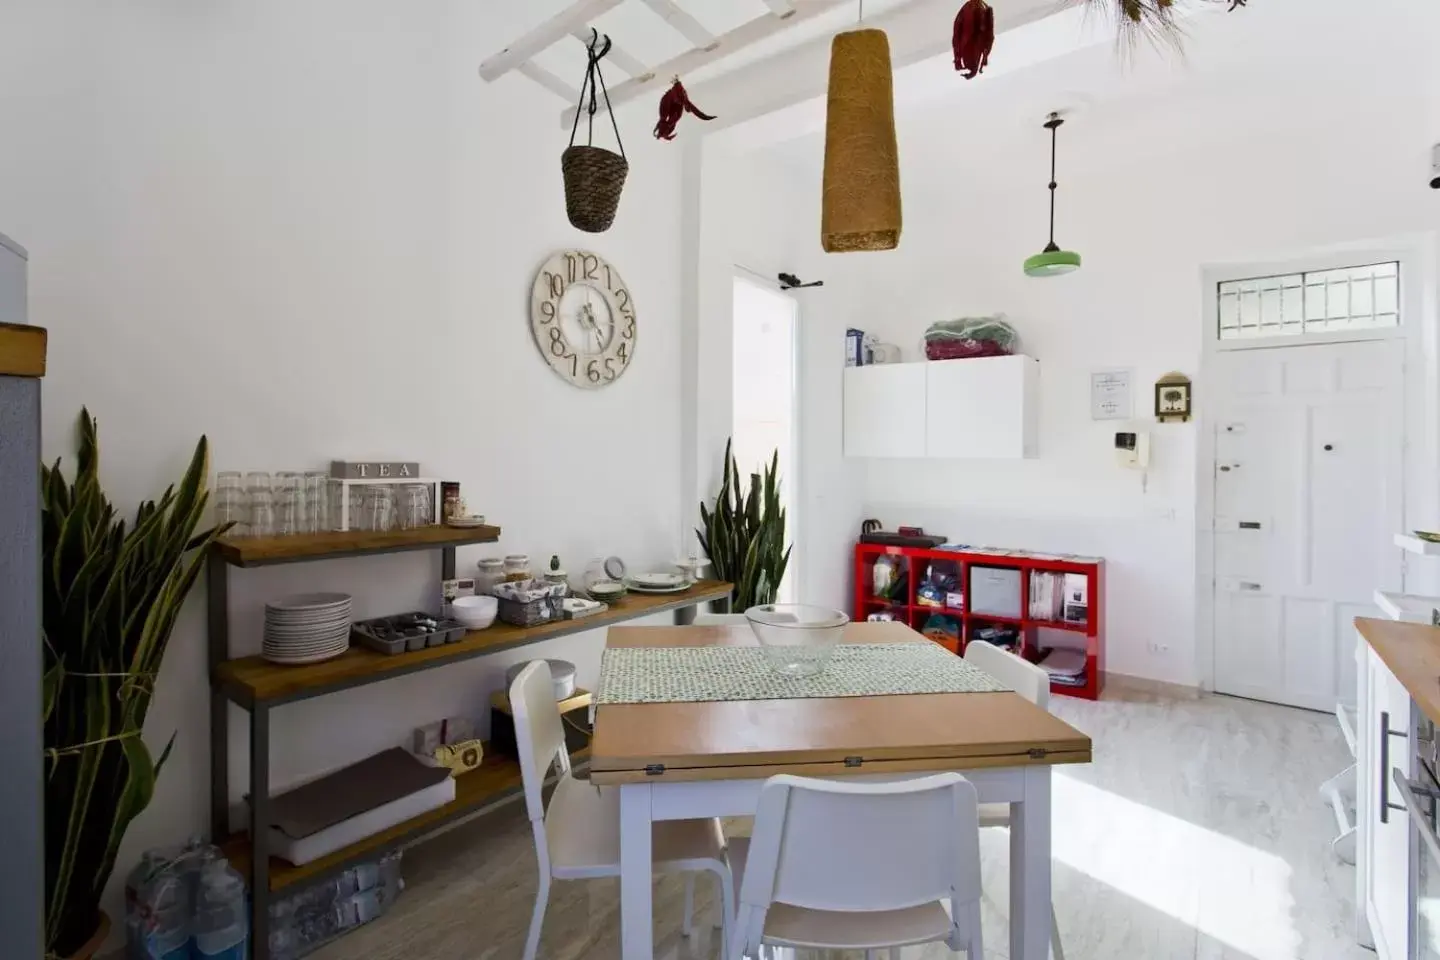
x=1249, y=585
x=1423, y=825
x=1385, y=734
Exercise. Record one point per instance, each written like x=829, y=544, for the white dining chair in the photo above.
x=1032, y=683
x=849, y=865
x=577, y=837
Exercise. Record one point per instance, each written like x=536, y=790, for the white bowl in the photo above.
x=476, y=613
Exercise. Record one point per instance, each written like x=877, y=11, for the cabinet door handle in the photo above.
x=1385, y=734
x=1423, y=825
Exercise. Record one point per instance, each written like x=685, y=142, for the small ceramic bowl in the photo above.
x=477, y=613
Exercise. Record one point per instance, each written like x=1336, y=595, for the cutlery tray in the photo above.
x=406, y=631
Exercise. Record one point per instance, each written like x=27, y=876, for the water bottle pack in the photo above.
x=184, y=904
x=190, y=904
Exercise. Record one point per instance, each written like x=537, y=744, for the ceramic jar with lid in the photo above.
x=517, y=567
x=492, y=572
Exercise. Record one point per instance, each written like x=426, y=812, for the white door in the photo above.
x=1308, y=496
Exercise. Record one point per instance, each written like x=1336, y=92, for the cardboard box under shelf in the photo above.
x=574, y=716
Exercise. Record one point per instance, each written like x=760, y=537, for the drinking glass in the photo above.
x=231, y=503
x=414, y=506
x=289, y=503
x=262, y=514
x=378, y=510
x=317, y=509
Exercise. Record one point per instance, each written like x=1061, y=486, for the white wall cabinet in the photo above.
x=1384, y=850
x=981, y=409
x=885, y=410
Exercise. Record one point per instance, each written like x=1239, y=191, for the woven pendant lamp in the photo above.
x=860, y=205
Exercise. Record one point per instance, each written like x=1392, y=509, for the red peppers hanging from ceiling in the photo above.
x=974, y=37
x=674, y=105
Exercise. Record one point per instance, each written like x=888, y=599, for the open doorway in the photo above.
x=764, y=394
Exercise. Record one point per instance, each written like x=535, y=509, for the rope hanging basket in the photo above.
x=860, y=207
x=594, y=176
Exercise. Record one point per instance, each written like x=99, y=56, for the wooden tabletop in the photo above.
x=254, y=679
x=1412, y=652
x=821, y=736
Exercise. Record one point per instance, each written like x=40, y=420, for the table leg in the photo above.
x=684, y=616
x=636, y=926
x=1030, y=868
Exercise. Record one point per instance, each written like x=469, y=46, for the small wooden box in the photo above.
x=574, y=717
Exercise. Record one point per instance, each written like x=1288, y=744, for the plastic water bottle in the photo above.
x=222, y=929
x=158, y=898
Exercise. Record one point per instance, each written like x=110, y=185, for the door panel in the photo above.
x=1308, y=475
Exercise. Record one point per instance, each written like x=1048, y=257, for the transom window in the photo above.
x=1324, y=301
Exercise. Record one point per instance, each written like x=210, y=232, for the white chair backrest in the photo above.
x=853, y=846
x=719, y=620
x=539, y=733
x=1017, y=673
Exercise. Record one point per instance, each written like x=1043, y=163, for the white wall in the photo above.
x=1256, y=148
x=309, y=231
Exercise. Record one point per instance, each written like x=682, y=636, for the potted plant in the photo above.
x=744, y=533
x=110, y=596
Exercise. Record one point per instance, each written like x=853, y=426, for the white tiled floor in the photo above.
x=1196, y=833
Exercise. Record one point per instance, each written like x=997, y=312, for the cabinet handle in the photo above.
x=1385, y=734
x=1423, y=825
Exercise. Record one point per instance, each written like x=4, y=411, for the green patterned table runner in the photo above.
x=694, y=674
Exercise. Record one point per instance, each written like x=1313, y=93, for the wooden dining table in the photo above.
x=677, y=761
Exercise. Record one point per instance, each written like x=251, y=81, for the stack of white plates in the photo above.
x=657, y=583
x=307, y=628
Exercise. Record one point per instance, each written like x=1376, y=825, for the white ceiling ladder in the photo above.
x=575, y=21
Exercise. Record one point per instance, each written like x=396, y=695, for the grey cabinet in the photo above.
x=21, y=789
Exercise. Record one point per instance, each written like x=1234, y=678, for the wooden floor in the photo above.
x=1197, y=834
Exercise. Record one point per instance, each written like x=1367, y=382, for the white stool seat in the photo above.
x=582, y=825
x=791, y=926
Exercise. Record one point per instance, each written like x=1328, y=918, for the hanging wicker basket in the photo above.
x=594, y=178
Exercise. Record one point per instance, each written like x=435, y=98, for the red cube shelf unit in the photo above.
x=915, y=614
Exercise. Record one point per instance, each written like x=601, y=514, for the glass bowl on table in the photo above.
x=798, y=638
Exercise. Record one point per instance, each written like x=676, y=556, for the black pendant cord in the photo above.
x=595, y=82
x=1054, y=126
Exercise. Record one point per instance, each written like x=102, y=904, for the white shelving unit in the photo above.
x=1407, y=607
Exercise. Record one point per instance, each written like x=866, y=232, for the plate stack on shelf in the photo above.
x=307, y=628
x=657, y=583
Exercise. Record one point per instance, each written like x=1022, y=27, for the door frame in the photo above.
x=794, y=513
x=1416, y=259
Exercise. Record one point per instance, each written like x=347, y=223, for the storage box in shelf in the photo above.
x=529, y=603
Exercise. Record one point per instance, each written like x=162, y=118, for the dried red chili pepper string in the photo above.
x=674, y=105
x=974, y=37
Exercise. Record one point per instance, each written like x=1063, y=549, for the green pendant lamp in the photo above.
x=1052, y=261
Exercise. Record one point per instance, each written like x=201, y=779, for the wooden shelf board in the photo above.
x=22, y=350
x=263, y=551
x=254, y=679
x=496, y=779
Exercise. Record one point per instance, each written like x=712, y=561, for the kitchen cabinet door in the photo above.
x=986, y=408
x=1386, y=833
x=885, y=410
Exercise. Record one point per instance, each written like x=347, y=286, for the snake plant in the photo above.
x=744, y=535
x=110, y=594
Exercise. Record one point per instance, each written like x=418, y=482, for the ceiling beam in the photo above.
x=761, y=28
x=689, y=28
x=918, y=31
x=548, y=80
x=575, y=17
x=616, y=55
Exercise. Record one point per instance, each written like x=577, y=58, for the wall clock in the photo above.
x=583, y=318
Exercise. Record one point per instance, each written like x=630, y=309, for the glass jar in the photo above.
x=492, y=572
x=517, y=567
